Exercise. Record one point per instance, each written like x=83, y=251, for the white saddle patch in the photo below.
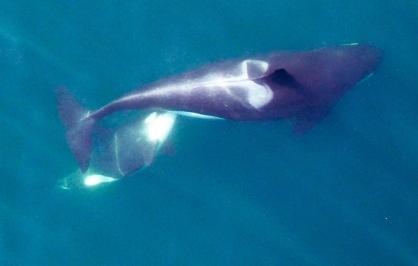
x=257, y=95
x=254, y=68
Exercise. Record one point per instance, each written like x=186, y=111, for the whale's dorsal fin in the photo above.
x=280, y=78
x=283, y=78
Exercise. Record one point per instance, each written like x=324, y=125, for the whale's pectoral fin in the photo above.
x=132, y=151
x=309, y=117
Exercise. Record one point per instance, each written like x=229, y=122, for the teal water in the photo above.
x=233, y=193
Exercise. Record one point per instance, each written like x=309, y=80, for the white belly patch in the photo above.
x=195, y=115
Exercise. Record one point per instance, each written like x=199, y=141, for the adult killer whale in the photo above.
x=301, y=85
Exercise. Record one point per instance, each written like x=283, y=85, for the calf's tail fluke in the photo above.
x=79, y=126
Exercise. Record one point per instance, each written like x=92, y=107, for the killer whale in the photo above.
x=293, y=84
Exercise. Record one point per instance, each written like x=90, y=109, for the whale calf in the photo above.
x=302, y=85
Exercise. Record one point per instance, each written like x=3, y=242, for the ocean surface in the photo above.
x=228, y=193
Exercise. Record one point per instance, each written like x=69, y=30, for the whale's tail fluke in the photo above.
x=79, y=126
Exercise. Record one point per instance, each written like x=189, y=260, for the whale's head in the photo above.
x=346, y=65
x=328, y=72
x=343, y=67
